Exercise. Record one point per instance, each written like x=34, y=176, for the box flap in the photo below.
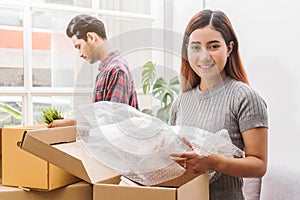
x=179, y=181
x=54, y=135
x=59, y=147
x=118, y=192
x=192, y=190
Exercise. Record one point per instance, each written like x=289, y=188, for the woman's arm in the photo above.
x=253, y=165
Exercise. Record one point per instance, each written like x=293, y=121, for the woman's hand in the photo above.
x=193, y=163
x=253, y=165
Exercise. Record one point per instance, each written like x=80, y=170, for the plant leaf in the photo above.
x=162, y=114
x=148, y=76
x=148, y=111
x=174, y=83
x=11, y=111
x=51, y=114
x=5, y=118
x=162, y=91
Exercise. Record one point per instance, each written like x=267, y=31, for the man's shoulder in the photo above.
x=118, y=64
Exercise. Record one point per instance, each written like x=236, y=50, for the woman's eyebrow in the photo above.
x=195, y=42
x=210, y=42
x=214, y=41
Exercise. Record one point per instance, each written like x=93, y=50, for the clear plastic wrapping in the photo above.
x=205, y=143
x=138, y=145
x=132, y=143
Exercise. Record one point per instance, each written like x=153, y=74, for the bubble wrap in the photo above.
x=205, y=143
x=132, y=143
x=138, y=145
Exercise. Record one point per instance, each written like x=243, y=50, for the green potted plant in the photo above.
x=50, y=114
x=162, y=90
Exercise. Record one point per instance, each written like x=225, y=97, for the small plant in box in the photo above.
x=51, y=114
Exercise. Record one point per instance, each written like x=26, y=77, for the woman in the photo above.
x=216, y=95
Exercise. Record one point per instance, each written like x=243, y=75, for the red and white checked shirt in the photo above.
x=114, y=81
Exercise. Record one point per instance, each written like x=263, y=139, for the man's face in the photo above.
x=86, y=49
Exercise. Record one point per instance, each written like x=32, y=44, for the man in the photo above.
x=114, y=81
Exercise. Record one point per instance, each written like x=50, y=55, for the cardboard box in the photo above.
x=195, y=189
x=54, y=146
x=22, y=169
x=78, y=162
x=0, y=142
x=0, y=167
x=77, y=191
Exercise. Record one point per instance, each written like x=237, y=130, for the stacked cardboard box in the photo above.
x=22, y=169
x=16, y=161
x=76, y=191
x=72, y=157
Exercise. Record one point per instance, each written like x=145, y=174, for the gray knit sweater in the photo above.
x=231, y=105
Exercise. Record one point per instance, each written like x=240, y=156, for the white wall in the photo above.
x=183, y=11
x=268, y=33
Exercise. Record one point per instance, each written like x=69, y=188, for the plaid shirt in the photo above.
x=114, y=81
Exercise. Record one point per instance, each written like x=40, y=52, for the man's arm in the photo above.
x=62, y=122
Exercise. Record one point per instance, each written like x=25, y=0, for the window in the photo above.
x=131, y=6
x=10, y=110
x=53, y=56
x=40, y=68
x=11, y=48
x=79, y=3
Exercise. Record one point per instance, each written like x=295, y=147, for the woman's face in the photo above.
x=207, y=53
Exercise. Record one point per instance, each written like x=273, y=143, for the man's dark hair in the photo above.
x=82, y=24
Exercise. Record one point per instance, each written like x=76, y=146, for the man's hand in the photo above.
x=62, y=122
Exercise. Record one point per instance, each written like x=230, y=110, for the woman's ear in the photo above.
x=229, y=48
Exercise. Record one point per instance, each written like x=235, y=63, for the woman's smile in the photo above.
x=206, y=66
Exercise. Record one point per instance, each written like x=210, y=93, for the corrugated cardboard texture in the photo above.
x=77, y=191
x=23, y=169
x=195, y=189
x=176, y=182
x=70, y=156
x=0, y=142
x=192, y=190
x=0, y=167
x=116, y=192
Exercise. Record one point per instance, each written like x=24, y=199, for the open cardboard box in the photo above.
x=22, y=169
x=195, y=189
x=54, y=146
x=59, y=147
